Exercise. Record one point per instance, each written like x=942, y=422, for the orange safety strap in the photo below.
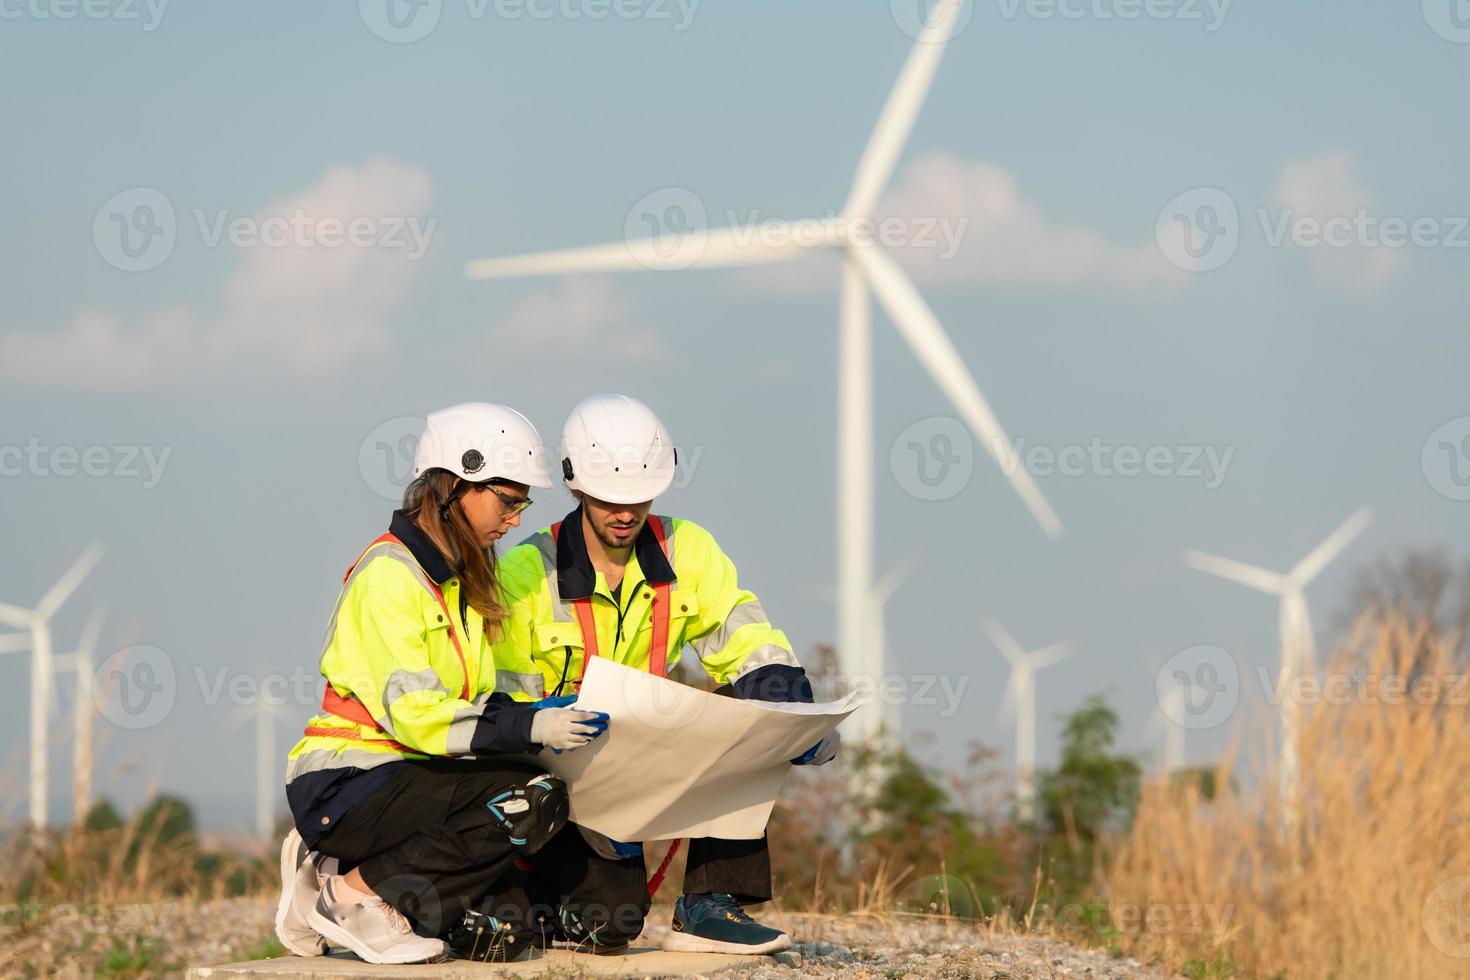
x=658, y=876
x=352, y=709
x=352, y=734
x=658, y=652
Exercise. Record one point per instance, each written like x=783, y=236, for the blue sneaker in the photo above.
x=717, y=924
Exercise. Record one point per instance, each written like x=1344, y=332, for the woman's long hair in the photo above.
x=422, y=504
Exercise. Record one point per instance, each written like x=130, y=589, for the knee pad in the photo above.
x=533, y=812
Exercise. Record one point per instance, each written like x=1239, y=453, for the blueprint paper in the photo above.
x=680, y=762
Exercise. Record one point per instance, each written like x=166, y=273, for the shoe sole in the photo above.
x=683, y=942
x=289, y=867
x=340, y=937
x=551, y=809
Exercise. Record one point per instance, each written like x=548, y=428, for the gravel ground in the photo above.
x=887, y=947
x=164, y=939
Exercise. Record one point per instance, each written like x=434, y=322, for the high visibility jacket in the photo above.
x=409, y=674
x=542, y=651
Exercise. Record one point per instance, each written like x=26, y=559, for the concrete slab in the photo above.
x=636, y=962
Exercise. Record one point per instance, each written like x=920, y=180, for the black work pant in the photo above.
x=427, y=845
x=575, y=895
x=578, y=896
x=425, y=842
x=740, y=867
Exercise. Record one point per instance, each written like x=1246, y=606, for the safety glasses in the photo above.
x=513, y=505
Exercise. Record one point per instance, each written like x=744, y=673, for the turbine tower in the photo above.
x=84, y=714
x=38, y=622
x=264, y=712
x=866, y=267
x=1298, y=646
x=1020, y=700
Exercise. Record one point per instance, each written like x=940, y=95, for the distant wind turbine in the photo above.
x=888, y=718
x=1298, y=645
x=264, y=713
x=866, y=267
x=38, y=622
x=84, y=715
x=1020, y=700
x=1165, y=725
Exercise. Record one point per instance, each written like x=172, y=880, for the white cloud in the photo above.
x=968, y=222
x=579, y=316
x=302, y=306
x=1323, y=188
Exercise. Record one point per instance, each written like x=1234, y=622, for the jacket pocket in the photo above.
x=557, y=651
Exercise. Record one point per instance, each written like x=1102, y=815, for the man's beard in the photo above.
x=609, y=542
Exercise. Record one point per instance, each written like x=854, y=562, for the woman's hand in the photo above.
x=566, y=728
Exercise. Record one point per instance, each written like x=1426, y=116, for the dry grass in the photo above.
x=1372, y=884
x=125, y=865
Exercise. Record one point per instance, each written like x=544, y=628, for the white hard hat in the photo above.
x=482, y=442
x=615, y=449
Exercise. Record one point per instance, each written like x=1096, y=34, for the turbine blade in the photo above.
x=1306, y=638
x=63, y=589
x=1047, y=656
x=894, y=578
x=921, y=329
x=15, y=642
x=15, y=616
x=1319, y=557
x=91, y=631
x=896, y=121
x=1004, y=642
x=707, y=250
x=1249, y=575
x=1008, y=699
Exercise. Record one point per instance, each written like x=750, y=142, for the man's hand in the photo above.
x=821, y=753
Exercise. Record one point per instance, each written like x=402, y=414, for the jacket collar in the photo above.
x=424, y=551
x=575, y=576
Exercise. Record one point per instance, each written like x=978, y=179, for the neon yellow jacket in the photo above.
x=408, y=677
x=540, y=651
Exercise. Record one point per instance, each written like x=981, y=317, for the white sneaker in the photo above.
x=373, y=929
x=300, y=885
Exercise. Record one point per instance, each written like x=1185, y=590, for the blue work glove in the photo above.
x=559, y=726
x=566, y=701
x=821, y=753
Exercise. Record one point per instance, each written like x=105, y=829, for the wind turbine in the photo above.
x=888, y=719
x=1165, y=723
x=265, y=760
x=38, y=621
x=1298, y=646
x=1020, y=700
x=865, y=267
x=84, y=713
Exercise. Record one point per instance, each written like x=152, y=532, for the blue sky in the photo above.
x=265, y=371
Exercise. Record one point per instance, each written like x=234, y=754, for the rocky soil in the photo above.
x=165, y=939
